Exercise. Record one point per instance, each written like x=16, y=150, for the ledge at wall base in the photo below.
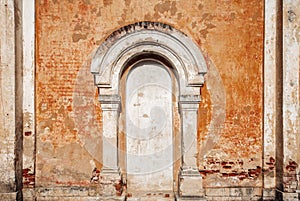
x=8, y=196
x=295, y=196
x=178, y=198
x=291, y=196
x=269, y=194
x=71, y=193
x=97, y=198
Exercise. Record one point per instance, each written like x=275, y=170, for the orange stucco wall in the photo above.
x=68, y=115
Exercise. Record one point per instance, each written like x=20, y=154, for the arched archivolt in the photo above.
x=149, y=38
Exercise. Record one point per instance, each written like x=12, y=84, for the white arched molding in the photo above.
x=148, y=38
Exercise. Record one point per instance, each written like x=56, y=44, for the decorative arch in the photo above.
x=163, y=43
x=148, y=38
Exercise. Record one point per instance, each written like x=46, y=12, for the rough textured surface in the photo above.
x=244, y=136
x=291, y=95
x=271, y=103
x=7, y=97
x=29, y=94
x=68, y=32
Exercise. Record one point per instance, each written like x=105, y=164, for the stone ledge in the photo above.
x=98, y=198
x=291, y=196
x=221, y=198
x=242, y=192
x=8, y=196
x=64, y=193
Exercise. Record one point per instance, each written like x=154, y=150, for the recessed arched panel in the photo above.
x=149, y=128
x=165, y=70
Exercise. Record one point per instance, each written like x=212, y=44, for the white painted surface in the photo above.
x=28, y=19
x=291, y=80
x=110, y=114
x=7, y=92
x=149, y=128
x=269, y=86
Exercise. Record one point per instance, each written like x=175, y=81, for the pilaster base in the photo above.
x=190, y=184
x=111, y=183
x=269, y=194
x=178, y=198
x=28, y=194
x=8, y=196
x=291, y=196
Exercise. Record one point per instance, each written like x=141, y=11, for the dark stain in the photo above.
x=194, y=24
x=232, y=16
x=254, y=173
x=206, y=21
x=119, y=187
x=200, y=6
x=271, y=163
x=77, y=37
x=87, y=1
x=227, y=169
x=127, y=2
x=69, y=123
x=28, y=178
x=291, y=15
x=165, y=7
x=95, y=176
x=107, y=2
x=28, y=133
x=210, y=26
x=99, y=13
x=77, y=27
x=179, y=16
x=292, y=166
x=148, y=16
x=94, y=10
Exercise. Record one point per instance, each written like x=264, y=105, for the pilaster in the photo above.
x=190, y=180
x=110, y=176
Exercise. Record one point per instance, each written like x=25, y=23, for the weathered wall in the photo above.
x=10, y=100
x=68, y=118
x=232, y=102
x=291, y=95
x=230, y=140
x=28, y=169
x=272, y=141
x=7, y=103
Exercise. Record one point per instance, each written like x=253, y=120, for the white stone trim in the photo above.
x=184, y=55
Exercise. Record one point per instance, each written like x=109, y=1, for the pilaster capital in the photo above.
x=110, y=102
x=189, y=102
